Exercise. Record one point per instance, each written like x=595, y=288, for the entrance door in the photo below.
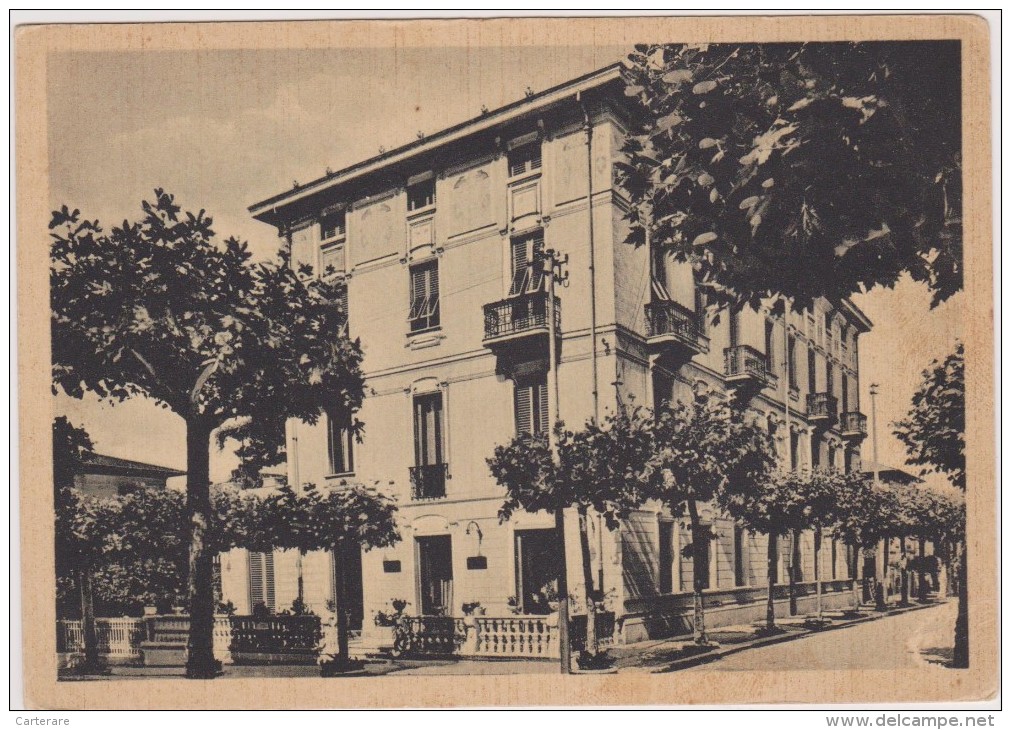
x=435, y=572
x=538, y=565
x=353, y=592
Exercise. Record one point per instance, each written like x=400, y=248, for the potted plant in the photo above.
x=473, y=608
x=386, y=621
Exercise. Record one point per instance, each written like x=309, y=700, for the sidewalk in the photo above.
x=667, y=655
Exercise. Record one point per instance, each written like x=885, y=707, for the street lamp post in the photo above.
x=887, y=542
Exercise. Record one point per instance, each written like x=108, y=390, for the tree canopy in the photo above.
x=934, y=429
x=601, y=466
x=158, y=308
x=799, y=169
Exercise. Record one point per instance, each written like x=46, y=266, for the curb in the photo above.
x=714, y=656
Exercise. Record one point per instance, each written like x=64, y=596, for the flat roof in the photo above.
x=263, y=210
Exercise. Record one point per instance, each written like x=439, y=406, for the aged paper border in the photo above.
x=704, y=687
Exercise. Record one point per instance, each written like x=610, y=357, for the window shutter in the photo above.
x=542, y=408
x=261, y=580
x=524, y=409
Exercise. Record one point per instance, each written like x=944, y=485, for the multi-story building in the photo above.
x=441, y=247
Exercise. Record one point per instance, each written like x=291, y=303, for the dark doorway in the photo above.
x=353, y=594
x=435, y=575
x=538, y=554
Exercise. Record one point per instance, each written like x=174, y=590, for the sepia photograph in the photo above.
x=624, y=359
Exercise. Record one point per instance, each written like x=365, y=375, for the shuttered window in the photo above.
x=525, y=159
x=424, y=312
x=531, y=406
x=527, y=264
x=342, y=317
x=428, y=428
x=812, y=371
x=261, y=580
x=340, y=442
x=735, y=327
x=791, y=355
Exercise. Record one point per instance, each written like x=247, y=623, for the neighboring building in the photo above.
x=890, y=474
x=108, y=476
x=441, y=245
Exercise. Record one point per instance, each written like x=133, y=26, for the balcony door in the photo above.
x=435, y=575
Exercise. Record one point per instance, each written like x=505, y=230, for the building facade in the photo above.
x=441, y=247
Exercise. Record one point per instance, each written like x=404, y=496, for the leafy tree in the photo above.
x=934, y=435
x=157, y=308
x=702, y=450
x=345, y=518
x=934, y=429
x=776, y=506
x=602, y=467
x=80, y=523
x=798, y=169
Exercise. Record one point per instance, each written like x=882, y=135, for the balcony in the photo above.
x=745, y=365
x=428, y=481
x=821, y=407
x=853, y=424
x=674, y=328
x=519, y=320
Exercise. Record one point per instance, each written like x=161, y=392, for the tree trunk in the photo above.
x=903, y=573
x=921, y=573
x=817, y=573
x=591, y=647
x=200, y=662
x=564, y=649
x=772, y=554
x=794, y=566
x=92, y=662
x=698, y=558
x=301, y=581
x=340, y=604
x=855, y=567
x=960, y=660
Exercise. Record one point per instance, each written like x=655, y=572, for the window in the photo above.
x=527, y=257
x=424, y=313
x=342, y=315
x=261, y=580
x=665, y=575
x=735, y=327
x=844, y=400
x=812, y=371
x=428, y=429
x=700, y=310
x=770, y=346
x=791, y=361
x=794, y=450
x=421, y=195
x=815, y=452
x=530, y=401
x=658, y=270
x=740, y=564
x=428, y=476
x=340, y=442
x=525, y=159
x=831, y=456
x=829, y=378
x=333, y=227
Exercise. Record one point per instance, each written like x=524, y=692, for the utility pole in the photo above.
x=887, y=541
x=553, y=271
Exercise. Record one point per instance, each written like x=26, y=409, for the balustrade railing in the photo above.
x=428, y=481
x=743, y=361
x=515, y=636
x=668, y=318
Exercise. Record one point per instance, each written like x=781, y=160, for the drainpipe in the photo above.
x=588, y=127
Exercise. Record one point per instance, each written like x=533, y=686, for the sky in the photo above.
x=225, y=129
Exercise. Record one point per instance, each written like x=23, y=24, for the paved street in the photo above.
x=894, y=642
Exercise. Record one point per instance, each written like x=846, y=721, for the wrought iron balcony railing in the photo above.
x=519, y=316
x=668, y=321
x=821, y=406
x=428, y=481
x=853, y=424
x=743, y=362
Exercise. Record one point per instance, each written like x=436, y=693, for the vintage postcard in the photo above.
x=506, y=362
